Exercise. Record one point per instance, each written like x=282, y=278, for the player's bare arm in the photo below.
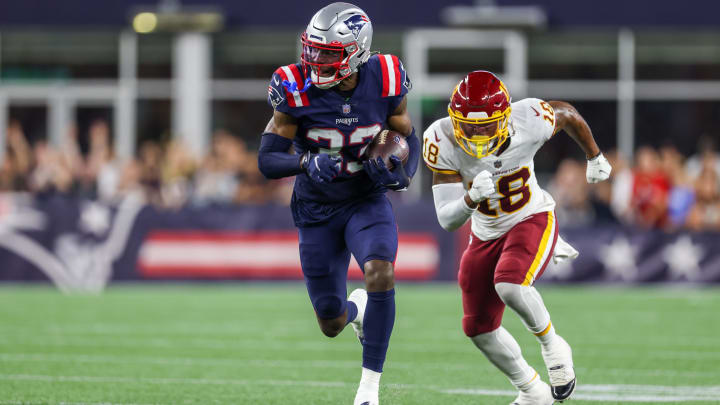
x=282, y=124
x=567, y=118
x=399, y=120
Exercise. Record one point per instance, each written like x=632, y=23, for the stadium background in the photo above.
x=130, y=132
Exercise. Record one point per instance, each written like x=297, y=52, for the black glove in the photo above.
x=321, y=167
x=395, y=179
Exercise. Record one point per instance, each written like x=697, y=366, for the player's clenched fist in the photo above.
x=321, y=167
x=482, y=186
x=598, y=169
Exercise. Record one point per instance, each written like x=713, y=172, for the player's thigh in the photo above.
x=482, y=307
x=528, y=249
x=371, y=233
x=324, y=258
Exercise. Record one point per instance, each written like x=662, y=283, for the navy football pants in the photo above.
x=367, y=229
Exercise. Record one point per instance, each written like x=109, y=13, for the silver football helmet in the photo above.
x=335, y=43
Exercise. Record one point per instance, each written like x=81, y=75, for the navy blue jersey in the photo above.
x=330, y=123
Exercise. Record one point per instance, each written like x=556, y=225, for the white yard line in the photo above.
x=230, y=362
x=586, y=392
x=322, y=346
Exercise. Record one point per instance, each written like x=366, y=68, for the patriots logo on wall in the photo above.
x=356, y=23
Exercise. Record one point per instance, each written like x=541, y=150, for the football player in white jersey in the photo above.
x=482, y=162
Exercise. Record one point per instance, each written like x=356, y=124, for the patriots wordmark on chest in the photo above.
x=346, y=121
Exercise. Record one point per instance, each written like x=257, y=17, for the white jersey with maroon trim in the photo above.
x=517, y=193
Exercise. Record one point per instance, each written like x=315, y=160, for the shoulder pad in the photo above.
x=288, y=88
x=393, y=77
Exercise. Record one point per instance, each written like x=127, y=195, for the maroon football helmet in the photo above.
x=480, y=112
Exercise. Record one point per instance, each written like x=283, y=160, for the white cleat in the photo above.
x=359, y=297
x=558, y=359
x=537, y=392
x=366, y=397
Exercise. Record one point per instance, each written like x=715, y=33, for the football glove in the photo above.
x=598, y=169
x=395, y=179
x=482, y=187
x=321, y=167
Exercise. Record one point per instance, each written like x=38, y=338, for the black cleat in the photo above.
x=562, y=392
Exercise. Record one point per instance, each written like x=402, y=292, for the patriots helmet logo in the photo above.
x=355, y=23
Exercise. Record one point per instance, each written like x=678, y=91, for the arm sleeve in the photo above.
x=450, y=207
x=274, y=161
x=413, y=155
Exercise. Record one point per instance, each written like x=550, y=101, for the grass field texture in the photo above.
x=259, y=344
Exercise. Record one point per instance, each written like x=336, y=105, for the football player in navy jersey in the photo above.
x=327, y=110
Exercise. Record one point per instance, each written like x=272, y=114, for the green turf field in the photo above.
x=259, y=344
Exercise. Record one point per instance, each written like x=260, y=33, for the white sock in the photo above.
x=528, y=304
x=504, y=352
x=370, y=379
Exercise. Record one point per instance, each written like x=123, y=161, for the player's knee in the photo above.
x=483, y=340
x=509, y=292
x=477, y=325
x=328, y=307
x=331, y=327
x=379, y=275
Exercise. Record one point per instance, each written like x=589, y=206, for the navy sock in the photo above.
x=377, y=327
x=351, y=312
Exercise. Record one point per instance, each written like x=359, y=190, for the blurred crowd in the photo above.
x=165, y=173
x=663, y=189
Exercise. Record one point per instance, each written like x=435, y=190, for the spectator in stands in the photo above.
x=571, y=193
x=17, y=161
x=149, y=169
x=178, y=169
x=705, y=214
x=621, y=192
x=650, y=190
x=217, y=180
x=706, y=155
x=682, y=194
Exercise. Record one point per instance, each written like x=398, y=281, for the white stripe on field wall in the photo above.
x=624, y=393
x=264, y=254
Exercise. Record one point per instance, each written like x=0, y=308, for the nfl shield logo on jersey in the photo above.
x=346, y=108
x=497, y=164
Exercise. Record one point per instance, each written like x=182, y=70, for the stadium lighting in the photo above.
x=187, y=19
x=144, y=23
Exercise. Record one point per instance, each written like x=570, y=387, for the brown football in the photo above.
x=387, y=143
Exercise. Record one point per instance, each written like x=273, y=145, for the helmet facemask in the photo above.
x=327, y=63
x=480, y=136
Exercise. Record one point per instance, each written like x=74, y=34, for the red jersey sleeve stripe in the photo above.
x=299, y=80
x=385, y=76
x=398, y=75
x=289, y=96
